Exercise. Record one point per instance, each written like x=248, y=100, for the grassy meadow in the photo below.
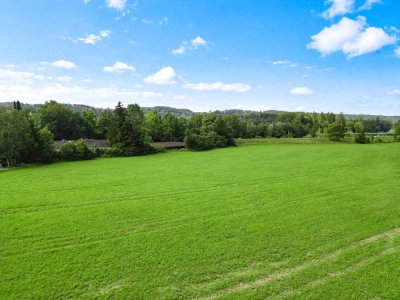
x=308, y=140
x=247, y=222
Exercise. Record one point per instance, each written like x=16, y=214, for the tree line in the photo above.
x=28, y=136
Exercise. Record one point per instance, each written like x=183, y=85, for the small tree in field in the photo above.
x=127, y=130
x=118, y=134
x=361, y=137
x=336, y=131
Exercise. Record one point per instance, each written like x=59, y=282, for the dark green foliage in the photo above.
x=169, y=124
x=376, y=125
x=15, y=135
x=336, y=130
x=371, y=125
x=397, y=130
x=361, y=138
x=118, y=134
x=17, y=105
x=27, y=136
x=66, y=124
x=154, y=126
x=173, y=128
x=127, y=131
x=104, y=123
x=108, y=152
x=238, y=128
x=223, y=131
x=76, y=150
x=21, y=141
x=207, y=132
x=167, y=128
x=199, y=142
x=47, y=152
x=61, y=121
x=89, y=121
x=136, y=126
x=159, y=149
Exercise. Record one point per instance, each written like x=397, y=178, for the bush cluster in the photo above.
x=75, y=150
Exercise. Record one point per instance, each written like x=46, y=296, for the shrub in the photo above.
x=76, y=150
x=108, y=152
x=336, y=132
x=362, y=138
x=124, y=152
x=159, y=149
x=114, y=152
x=199, y=142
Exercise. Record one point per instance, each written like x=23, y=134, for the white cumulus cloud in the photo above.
x=180, y=50
x=19, y=76
x=338, y=7
x=117, y=4
x=99, y=96
x=368, y=4
x=301, y=91
x=218, y=86
x=193, y=44
x=119, y=67
x=370, y=40
x=164, y=76
x=105, y=33
x=62, y=64
x=352, y=37
x=93, y=39
x=198, y=41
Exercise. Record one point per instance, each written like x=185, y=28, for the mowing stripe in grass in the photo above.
x=390, y=234
x=333, y=275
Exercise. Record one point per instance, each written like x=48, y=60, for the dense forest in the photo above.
x=27, y=132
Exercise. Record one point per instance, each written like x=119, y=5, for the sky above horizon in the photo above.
x=314, y=55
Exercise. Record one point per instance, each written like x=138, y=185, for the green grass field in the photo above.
x=249, y=222
x=308, y=140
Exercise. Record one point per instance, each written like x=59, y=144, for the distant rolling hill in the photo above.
x=183, y=112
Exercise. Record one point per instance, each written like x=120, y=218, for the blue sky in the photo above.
x=314, y=55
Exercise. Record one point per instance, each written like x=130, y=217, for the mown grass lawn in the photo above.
x=256, y=222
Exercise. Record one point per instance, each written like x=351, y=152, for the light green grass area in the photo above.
x=283, y=140
x=248, y=222
x=309, y=140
